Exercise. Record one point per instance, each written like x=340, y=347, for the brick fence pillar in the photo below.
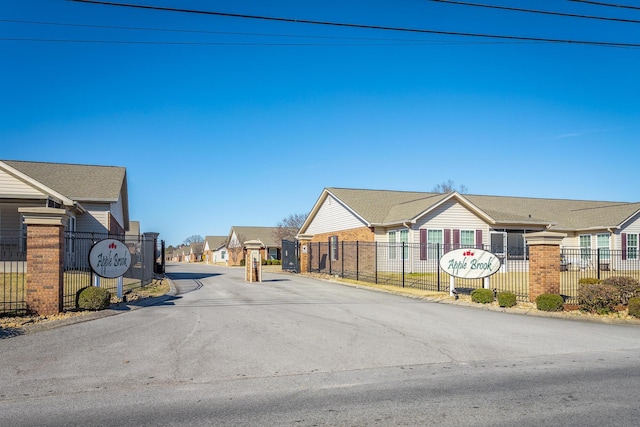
x=45, y=259
x=544, y=263
x=304, y=241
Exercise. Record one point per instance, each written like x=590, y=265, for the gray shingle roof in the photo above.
x=215, y=242
x=264, y=234
x=389, y=207
x=77, y=182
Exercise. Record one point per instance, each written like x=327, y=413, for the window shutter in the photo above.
x=447, y=241
x=456, y=239
x=623, y=237
x=423, y=244
x=479, y=239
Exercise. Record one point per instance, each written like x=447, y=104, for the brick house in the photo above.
x=456, y=220
x=215, y=250
x=238, y=235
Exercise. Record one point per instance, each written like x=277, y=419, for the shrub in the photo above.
x=598, y=298
x=589, y=281
x=93, y=298
x=549, y=302
x=634, y=306
x=506, y=299
x=483, y=296
x=628, y=287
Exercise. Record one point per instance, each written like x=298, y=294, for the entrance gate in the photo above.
x=290, y=256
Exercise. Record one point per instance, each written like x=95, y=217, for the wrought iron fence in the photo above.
x=78, y=274
x=13, y=260
x=417, y=266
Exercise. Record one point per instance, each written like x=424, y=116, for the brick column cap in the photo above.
x=253, y=244
x=45, y=216
x=544, y=238
x=305, y=237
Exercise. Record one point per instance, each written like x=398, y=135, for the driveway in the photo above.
x=299, y=351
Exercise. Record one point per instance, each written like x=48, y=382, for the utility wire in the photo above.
x=232, y=33
x=542, y=12
x=360, y=26
x=598, y=3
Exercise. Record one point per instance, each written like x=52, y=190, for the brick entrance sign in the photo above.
x=45, y=259
x=544, y=263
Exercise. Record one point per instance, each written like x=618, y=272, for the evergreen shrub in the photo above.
x=93, y=298
x=506, y=299
x=549, y=302
x=483, y=296
x=634, y=306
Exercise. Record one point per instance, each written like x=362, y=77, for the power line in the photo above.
x=598, y=3
x=542, y=12
x=233, y=33
x=360, y=26
x=80, y=41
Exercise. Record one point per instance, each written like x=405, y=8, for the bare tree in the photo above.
x=289, y=227
x=234, y=246
x=449, y=186
x=196, y=238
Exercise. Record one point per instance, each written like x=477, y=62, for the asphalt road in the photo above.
x=296, y=351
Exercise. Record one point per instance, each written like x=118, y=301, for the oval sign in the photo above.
x=109, y=258
x=470, y=263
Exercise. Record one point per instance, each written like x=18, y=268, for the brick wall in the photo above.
x=45, y=260
x=544, y=270
x=362, y=234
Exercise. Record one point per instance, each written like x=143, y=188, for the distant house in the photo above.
x=238, y=235
x=95, y=196
x=195, y=252
x=215, y=250
x=454, y=220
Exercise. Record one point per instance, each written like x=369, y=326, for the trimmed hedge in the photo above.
x=506, y=299
x=483, y=296
x=549, y=302
x=93, y=298
x=634, y=306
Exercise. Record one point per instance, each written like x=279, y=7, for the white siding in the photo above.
x=333, y=216
x=452, y=215
x=95, y=220
x=632, y=226
x=10, y=218
x=10, y=186
x=117, y=211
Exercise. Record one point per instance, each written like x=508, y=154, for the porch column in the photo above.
x=45, y=259
x=544, y=263
x=305, y=248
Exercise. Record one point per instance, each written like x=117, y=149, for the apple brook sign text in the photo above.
x=109, y=258
x=470, y=263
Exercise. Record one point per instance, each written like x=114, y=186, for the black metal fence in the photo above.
x=417, y=266
x=78, y=274
x=13, y=259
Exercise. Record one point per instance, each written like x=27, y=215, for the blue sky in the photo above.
x=225, y=121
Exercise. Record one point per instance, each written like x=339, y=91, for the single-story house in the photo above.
x=455, y=220
x=238, y=235
x=215, y=250
x=95, y=196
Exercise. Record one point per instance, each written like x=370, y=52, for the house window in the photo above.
x=603, y=245
x=396, y=240
x=585, y=246
x=632, y=246
x=434, y=240
x=223, y=254
x=467, y=238
x=273, y=253
x=333, y=247
x=392, y=245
